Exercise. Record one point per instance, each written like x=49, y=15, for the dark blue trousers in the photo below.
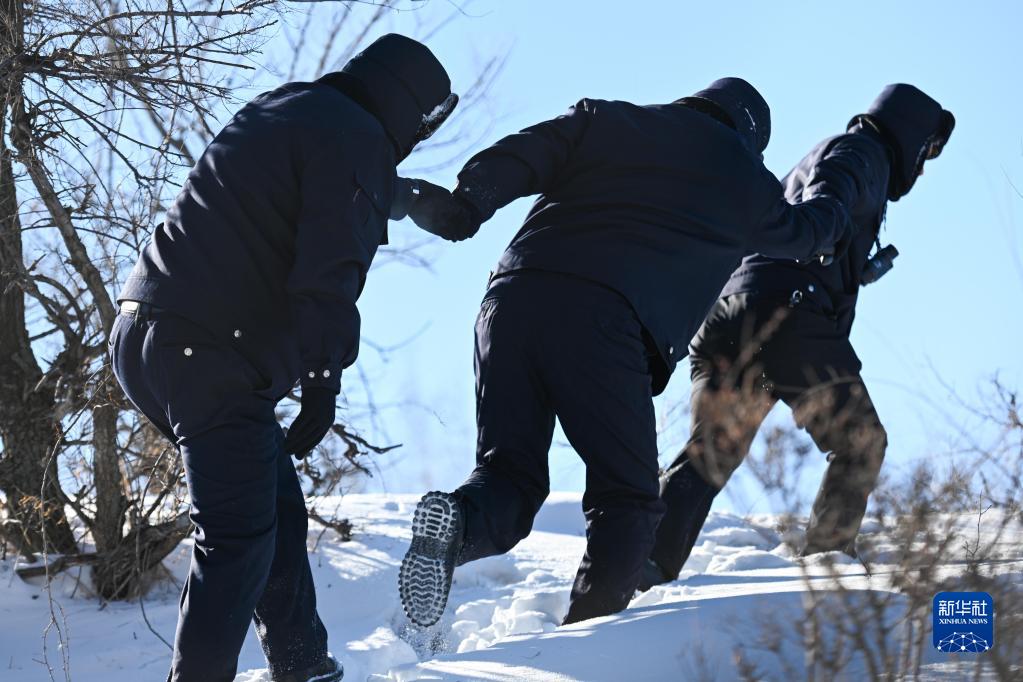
x=555, y=345
x=249, y=562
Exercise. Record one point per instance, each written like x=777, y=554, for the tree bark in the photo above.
x=108, y=523
x=28, y=417
x=119, y=574
x=111, y=504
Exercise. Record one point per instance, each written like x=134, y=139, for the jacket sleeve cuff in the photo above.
x=481, y=200
x=323, y=376
x=403, y=196
x=493, y=182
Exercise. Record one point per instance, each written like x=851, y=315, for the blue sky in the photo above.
x=949, y=316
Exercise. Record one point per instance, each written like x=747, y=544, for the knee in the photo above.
x=226, y=537
x=635, y=496
x=877, y=448
x=634, y=516
x=858, y=456
x=871, y=441
x=222, y=516
x=881, y=440
x=706, y=466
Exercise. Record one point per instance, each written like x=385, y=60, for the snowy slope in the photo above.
x=740, y=592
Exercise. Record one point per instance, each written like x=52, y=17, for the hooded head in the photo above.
x=744, y=107
x=914, y=126
x=402, y=84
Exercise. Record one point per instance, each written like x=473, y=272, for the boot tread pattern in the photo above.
x=424, y=579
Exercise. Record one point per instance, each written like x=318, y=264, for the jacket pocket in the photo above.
x=379, y=199
x=371, y=208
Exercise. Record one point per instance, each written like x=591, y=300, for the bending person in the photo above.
x=249, y=287
x=780, y=331
x=643, y=211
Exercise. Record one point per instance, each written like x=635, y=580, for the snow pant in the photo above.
x=551, y=345
x=750, y=353
x=249, y=562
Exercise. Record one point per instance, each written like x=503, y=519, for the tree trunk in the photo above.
x=28, y=417
x=108, y=525
x=111, y=504
x=120, y=573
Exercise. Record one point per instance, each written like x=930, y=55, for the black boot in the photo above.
x=424, y=580
x=652, y=575
x=688, y=498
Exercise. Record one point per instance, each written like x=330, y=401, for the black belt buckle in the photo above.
x=796, y=298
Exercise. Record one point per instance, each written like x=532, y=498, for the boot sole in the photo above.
x=424, y=580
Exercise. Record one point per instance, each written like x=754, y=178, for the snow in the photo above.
x=741, y=598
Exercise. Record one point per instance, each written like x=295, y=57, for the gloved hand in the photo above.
x=313, y=421
x=837, y=250
x=439, y=212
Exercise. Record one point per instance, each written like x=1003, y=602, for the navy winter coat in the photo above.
x=268, y=244
x=658, y=202
x=833, y=287
x=885, y=148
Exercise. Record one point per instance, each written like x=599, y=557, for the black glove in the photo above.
x=837, y=250
x=439, y=212
x=313, y=421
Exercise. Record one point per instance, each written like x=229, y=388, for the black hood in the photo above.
x=744, y=106
x=402, y=83
x=910, y=122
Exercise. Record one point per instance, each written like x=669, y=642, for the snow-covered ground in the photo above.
x=740, y=602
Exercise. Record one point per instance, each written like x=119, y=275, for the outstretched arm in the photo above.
x=852, y=168
x=527, y=162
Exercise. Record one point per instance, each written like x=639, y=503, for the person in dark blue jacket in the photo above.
x=247, y=288
x=780, y=331
x=644, y=211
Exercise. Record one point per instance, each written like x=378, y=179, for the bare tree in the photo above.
x=105, y=106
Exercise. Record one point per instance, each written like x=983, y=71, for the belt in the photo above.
x=139, y=309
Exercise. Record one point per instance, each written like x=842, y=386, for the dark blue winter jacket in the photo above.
x=269, y=242
x=833, y=288
x=658, y=202
x=888, y=144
